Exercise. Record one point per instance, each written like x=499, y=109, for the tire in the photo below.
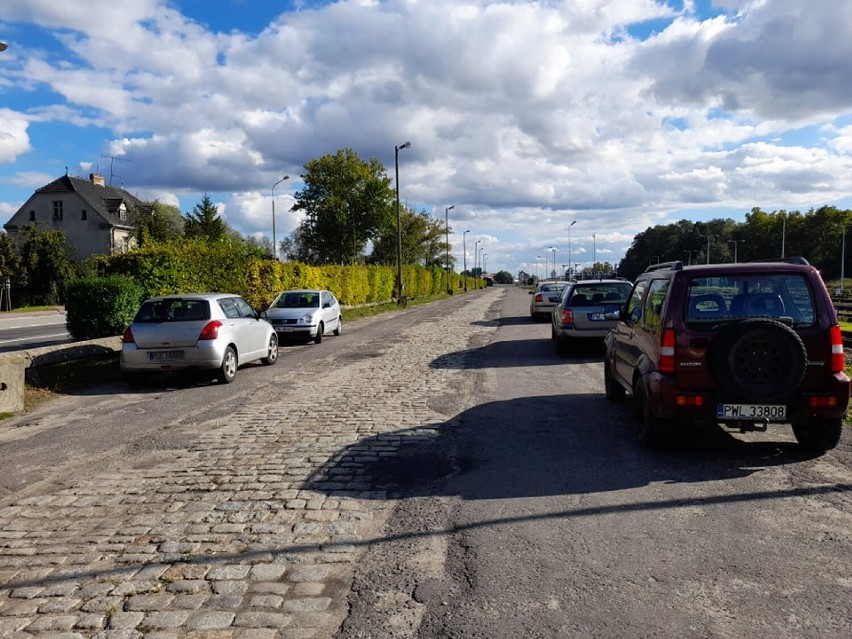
x=135, y=380
x=819, y=435
x=339, y=329
x=228, y=370
x=320, y=331
x=648, y=432
x=758, y=360
x=614, y=391
x=272, y=351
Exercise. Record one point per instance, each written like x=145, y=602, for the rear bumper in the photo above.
x=669, y=402
x=573, y=333
x=203, y=356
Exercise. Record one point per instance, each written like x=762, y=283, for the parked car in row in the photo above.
x=544, y=298
x=306, y=314
x=200, y=331
x=745, y=345
x=580, y=316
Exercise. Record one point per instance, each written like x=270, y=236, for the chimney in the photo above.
x=97, y=180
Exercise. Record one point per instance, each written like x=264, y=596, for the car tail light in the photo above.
x=211, y=331
x=689, y=400
x=538, y=298
x=667, y=352
x=838, y=360
x=128, y=338
x=822, y=401
x=567, y=316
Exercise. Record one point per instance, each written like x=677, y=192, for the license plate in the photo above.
x=597, y=317
x=284, y=329
x=773, y=412
x=165, y=356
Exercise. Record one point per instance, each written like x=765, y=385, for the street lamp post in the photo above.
x=594, y=253
x=447, y=225
x=708, y=236
x=399, y=291
x=484, y=262
x=537, y=266
x=274, y=241
x=569, y=247
x=464, y=257
x=735, y=243
x=553, y=249
x=476, y=254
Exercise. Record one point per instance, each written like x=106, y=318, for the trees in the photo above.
x=423, y=241
x=157, y=222
x=205, y=221
x=46, y=260
x=347, y=202
x=10, y=260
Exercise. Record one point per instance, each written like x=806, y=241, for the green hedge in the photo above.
x=100, y=307
x=196, y=266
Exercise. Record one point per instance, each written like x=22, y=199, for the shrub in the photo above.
x=101, y=307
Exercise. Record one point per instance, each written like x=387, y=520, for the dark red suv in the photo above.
x=744, y=345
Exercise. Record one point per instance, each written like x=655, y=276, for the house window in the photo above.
x=83, y=215
x=57, y=211
x=32, y=216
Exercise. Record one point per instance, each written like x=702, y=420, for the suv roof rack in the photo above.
x=786, y=260
x=677, y=265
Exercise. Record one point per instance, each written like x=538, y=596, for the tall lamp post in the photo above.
x=537, y=265
x=484, y=262
x=399, y=292
x=476, y=254
x=447, y=226
x=708, y=236
x=594, y=253
x=553, y=249
x=274, y=241
x=464, y=257
x=735, y=243
x=569, y=247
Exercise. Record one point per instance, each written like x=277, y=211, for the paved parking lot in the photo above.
x=253, y=531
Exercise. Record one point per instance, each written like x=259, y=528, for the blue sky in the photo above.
x=525, y=116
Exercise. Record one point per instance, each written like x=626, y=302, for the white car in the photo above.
x=306, y=314
x=204, y=331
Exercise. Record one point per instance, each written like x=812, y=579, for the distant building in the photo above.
x=95, y=217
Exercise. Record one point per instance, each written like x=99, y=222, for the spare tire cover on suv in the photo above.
x=758, y=359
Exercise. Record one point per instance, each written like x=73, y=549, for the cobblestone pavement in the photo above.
x=223, y=540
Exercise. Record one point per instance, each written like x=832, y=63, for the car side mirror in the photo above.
x=531, y=292
x=263, y=315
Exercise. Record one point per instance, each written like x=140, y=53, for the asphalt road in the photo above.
x=19, y=331
x=554, y=523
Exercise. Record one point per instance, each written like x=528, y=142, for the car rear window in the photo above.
x=600, y=293
x=172, y=310
x=785, y=297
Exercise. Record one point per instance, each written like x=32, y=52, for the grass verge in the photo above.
x=68, y=377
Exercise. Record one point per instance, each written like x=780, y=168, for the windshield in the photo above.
x=785, y=297
x=599, y=293
x=298, y=300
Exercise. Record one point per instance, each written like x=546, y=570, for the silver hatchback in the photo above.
x=199, y=331
x=581, y=312
x=306, y=314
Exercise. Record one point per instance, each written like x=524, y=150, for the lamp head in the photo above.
x=451, y=207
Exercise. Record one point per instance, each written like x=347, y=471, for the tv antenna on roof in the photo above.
x=112, y=159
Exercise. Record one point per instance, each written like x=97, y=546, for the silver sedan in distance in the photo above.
x=200, y=331
x=544, y=298
x=306, y=314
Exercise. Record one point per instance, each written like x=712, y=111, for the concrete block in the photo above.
x=12, y=384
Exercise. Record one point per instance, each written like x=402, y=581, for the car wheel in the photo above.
x=758, y=359
x=649, y=427
x=819, y=435
x=614, y=391
x=320, y=331
x=271, y=351
x=339, y=329
x=135, y=380
x=228, y=369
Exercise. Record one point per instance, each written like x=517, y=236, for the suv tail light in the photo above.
x=667, y=352
x=128, y=338
x=211, y=331
x=838, y=361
